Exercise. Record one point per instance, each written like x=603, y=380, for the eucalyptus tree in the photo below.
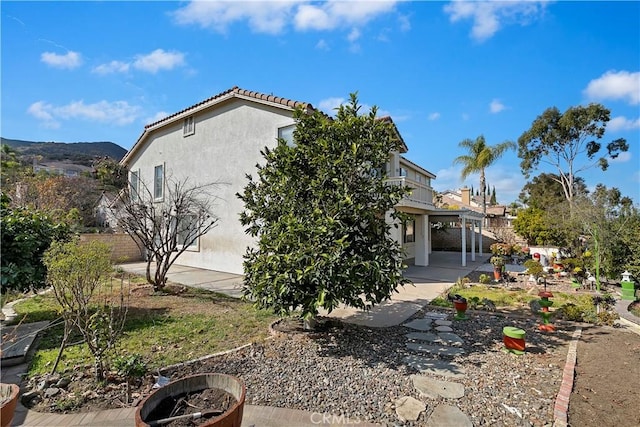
x=570, y=143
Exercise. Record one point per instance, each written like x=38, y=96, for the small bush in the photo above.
x=484, y=279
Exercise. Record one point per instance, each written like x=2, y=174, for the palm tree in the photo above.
x=480, y=156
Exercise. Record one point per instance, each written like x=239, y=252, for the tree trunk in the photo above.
x=63, y=345
x=483, y=189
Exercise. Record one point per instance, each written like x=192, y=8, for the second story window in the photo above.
x=134, y=184
x=286, y=133
x=158, y=182
x=188, y=126
x=403, y=172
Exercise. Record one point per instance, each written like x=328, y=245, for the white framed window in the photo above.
x=403, y=172
x=188, y=126
x=286, y=133
x=134, y=185
x=409, y=231
x=158, y=182
x=187, y=227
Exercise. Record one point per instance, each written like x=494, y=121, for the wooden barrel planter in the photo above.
x=193, y=384
x=9, y=395
x=513, y=339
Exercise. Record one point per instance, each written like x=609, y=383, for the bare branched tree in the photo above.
x=165, y=228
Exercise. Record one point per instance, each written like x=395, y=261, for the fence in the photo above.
x=123, y=247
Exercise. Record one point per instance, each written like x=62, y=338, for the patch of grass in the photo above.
x=37, y=308
x=511, y=298
x=166, y=329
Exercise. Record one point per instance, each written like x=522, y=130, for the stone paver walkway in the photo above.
x=426, y=337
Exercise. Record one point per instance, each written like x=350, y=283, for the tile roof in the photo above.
x=236, y=91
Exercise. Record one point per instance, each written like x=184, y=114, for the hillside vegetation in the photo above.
x=82, y=153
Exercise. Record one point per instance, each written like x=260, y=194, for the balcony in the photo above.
x=421, y=196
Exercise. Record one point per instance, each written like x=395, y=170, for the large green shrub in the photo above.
x=26, y=234
x=317, y=210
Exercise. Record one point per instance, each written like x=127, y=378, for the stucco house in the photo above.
x=497, y=215
x=220, y=140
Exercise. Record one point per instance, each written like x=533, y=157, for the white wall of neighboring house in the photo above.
x=226, y=145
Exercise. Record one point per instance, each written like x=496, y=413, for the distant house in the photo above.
x=60, y=168
x=497, y=215
x=107, y=209
x=220, y=140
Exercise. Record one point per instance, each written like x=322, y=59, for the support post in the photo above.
x=473, y=240
x=480, y=237
x=464, y=241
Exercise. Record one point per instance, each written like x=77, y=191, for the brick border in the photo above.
x=561, y=407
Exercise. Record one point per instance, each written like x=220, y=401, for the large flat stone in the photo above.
x=444, y=329
x=441, y=322
x=17, y=340
x=419, y=324
x=409, y=408
x=436, y=349
x=423, y=336
x=450, y=338
x=447, y=415
x=436, y=367
x=435, y=315
x=433, y=388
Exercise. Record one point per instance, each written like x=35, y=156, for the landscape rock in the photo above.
x=409, y=408
x=447, y=415
x=433, y=388
x=419, y=324
x=436, y=349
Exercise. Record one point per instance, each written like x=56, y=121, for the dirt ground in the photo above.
x=607, y=384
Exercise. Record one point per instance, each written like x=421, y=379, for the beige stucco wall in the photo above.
x=226, y=146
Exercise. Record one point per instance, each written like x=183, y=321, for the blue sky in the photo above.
x=444, y=71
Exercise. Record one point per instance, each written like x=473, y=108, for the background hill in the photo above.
x=82, y=153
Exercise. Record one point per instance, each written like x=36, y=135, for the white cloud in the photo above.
x=329, y=105
x=335, y=14
x=272, y=17
x=623, y=157
x=496, y=106
x=119, y=113
x=40, y=110
x=354, y=35
x=156, y=117
x=158, y=60
x=322, y=45
x=70, y=60
x=616, y=85
x=405, y=24
x=312, y=17
x=112, y=67
x=263, y=16
x=622, y=123
x=489, y=17
x=434, y=116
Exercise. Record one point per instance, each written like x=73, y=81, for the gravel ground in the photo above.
x=359, y=372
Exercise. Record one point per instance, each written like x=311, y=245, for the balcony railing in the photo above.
x=421, y=194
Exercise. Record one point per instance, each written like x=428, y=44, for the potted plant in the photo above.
x=498, y=264
x=158, y=407
x=8, y=401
